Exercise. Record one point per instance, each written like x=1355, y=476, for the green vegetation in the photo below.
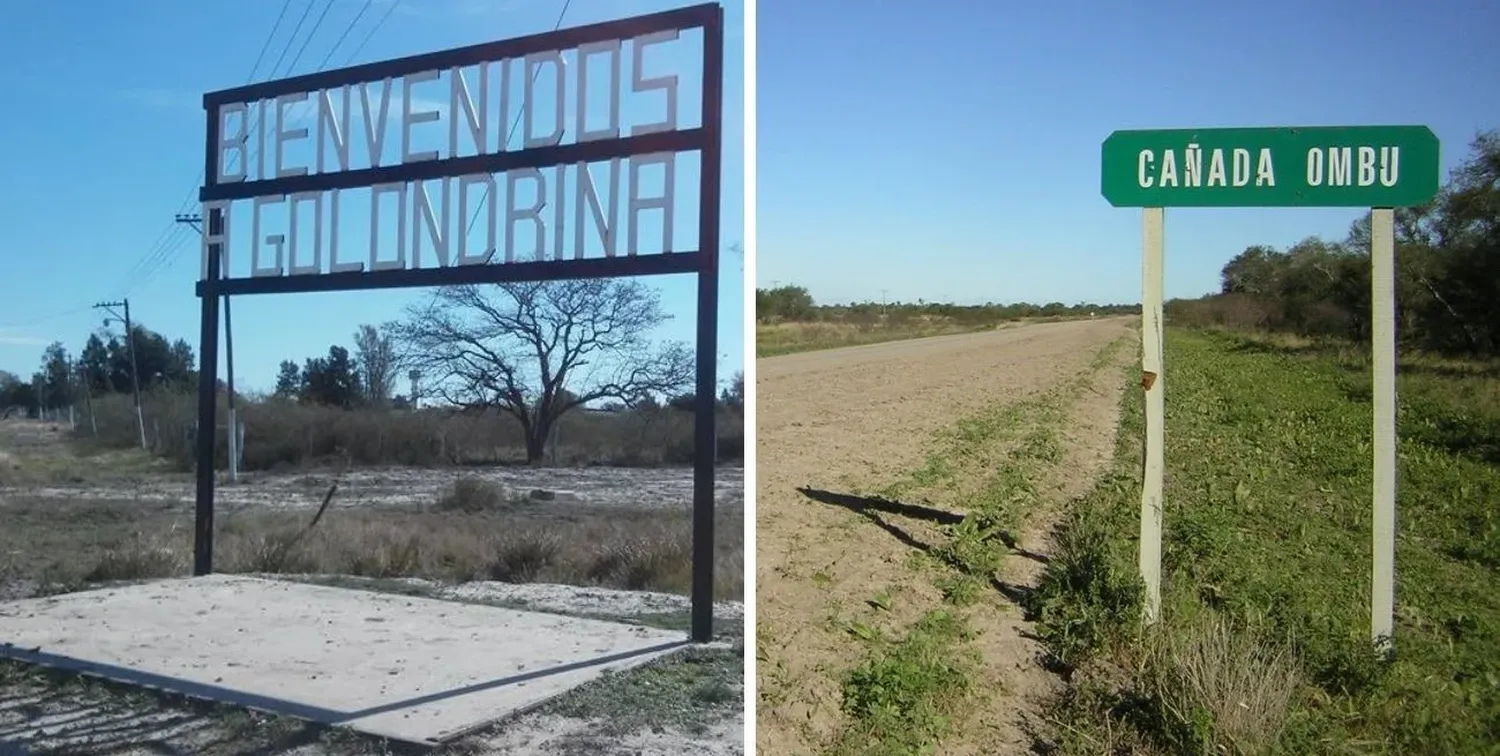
x=1264, y=644
x=689, y=691
x=1447, y=274
x=788, y=320
x=903, y=696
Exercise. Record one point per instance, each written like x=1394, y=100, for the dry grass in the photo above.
x=53, y=545
x=1231, y=688
x=789, y=337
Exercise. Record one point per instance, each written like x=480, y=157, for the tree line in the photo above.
x=1447, y=273
x=529, y=351
x=794, y=304
x=102, y=367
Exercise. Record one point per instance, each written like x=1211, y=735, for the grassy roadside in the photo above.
x=1264, y=642
x=776, y=339
x=917, y=684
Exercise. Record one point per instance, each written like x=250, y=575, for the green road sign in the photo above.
x=1324, y=166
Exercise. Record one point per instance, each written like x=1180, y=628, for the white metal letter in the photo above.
x=316, y=266
x=637, y=203
x=612, y=130
x=398, y=189
x=666, y=83
x=532, y=213
x=236, y=141
x=411, y=117
x=588, y=195
x=489, y=198
x=275, y=240
x=284, y=135
x=559, y=104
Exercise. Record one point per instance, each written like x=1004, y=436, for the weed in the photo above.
x=902, y=697
x=471, y=494
x=147, y=558
x=688, y=690
x=1219, y=688
x=1086, y=597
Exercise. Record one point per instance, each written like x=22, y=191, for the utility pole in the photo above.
x=882, y=303
x=88, y=395
x=135, y=378
x=196, y=222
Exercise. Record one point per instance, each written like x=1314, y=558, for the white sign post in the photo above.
x=1383, y=362
x=1153, y=221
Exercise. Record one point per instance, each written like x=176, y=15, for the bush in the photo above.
x=280, y=434
x=474, y=495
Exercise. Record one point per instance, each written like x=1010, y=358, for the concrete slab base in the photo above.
x=405, y=668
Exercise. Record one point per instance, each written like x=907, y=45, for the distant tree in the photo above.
x=16, y=393
x=538, y=350
x=1252, y=271
x=734, y=394
x=288, y=380
x=1447, y=272
x=95, y=361
x=160, y=364
x=375, y=352
x=784, y=303
x=55, y=379
x=331, y=380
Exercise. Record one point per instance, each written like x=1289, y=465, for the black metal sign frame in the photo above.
x=706, y=139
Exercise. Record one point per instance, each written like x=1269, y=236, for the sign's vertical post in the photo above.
x=1383, y=442
x=705, y=432
x=208, y=398
x=214, y=251
x=1152, y=255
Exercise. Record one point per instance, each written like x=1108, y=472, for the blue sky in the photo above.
x=949, y=150
x=103, y=144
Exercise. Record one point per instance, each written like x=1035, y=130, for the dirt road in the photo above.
x=852, y=421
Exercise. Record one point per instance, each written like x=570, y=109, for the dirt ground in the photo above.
x=688, y=703
x=23, y=441
x=854, y=420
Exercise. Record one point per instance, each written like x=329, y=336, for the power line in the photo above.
x=300, y=20
x=327, y=6
x=340, y=41
x=285, y=4
x=159, y=250
x=164, y=256
x=43, y=319
x=371, y=33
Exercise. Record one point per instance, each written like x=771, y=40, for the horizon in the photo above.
x=949, y=152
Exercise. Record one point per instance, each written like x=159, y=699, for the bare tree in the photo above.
x=375, y=353
x=538, y=350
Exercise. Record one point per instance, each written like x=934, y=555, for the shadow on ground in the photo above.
x=880, y=510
